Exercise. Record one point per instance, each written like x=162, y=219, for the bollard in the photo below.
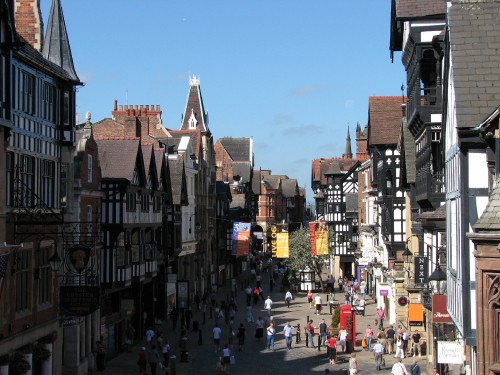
x=171, y=365
x=200, y=340
x=307, y=336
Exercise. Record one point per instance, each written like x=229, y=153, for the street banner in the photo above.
x=312, y=237
x=282, y=244
x=321, y=239
x=241, y=239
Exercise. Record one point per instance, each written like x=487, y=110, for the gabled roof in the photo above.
x=119, y=157
x=489, y=220
x=150, y=164
x=384, y=119
x=243, y=169
x=195, y=109
x=163, y=172
x=323, y=167
x=238, y=149
x=56, y=46
x=474, y=38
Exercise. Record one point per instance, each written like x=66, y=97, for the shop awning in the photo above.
x=416, y=312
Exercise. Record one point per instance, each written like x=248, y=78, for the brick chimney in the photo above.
x=29, y=22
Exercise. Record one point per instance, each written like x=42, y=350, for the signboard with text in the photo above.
x=421, y=269
x=450, y=352
x=79, y=300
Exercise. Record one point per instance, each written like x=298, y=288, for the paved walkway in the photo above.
x=256, y=359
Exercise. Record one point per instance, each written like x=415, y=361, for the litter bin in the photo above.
x=196, y=325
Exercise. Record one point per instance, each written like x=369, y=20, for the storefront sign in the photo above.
x=421, y=269
x=440, y=313
x=450, y=352
x=79, y=300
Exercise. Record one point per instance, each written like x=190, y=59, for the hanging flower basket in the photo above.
x=41, y=353
x=4, y=359
x=19, y=365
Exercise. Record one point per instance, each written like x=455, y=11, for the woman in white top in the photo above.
x=226, y=358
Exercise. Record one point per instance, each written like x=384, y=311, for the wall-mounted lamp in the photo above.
x=55, y=262
x=438, y=277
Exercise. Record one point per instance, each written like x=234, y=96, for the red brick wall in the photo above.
x=29, y=23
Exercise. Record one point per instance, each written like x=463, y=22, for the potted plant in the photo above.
x=19, y=365
x=334, y=326
x=40, y=352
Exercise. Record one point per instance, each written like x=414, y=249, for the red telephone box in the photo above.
x=348, y=322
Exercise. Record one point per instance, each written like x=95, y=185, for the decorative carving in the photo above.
x=493, y=289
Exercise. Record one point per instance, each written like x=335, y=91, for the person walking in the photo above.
x=322, y=334
x=399, y=368
x=378, y=352
x=310, y=299
x=174, y=315
x=153, y=359
x=353, y=364
x=391, y=333
x=318, y=304
x=259, y=328
x=288, y=298
x=271, y=331
x=226, y=358
x=341, y=283
x=100, y=356
x=142, y=361
x=369, y=337
x=382, y=338
x=406, y=337
x=188, y=315
x=415, y=368
x=165, y=352
x=362, y=306
x=331, y=300
x=150, y=334
x=241, y=337
x=332, y=347
x=248, y=294
x=268, y=304
x=288, y=331
x=343, y=339
x=399, y=347
x=216, y=332
x=249, y=315
x=310, y=334
x=255, y=294
x=298, y=339
x=380, y=317
x=416, y=343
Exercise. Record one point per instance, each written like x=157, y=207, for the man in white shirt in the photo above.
x=399, y=368
x=318, y=303
x=287, y=331
x=378, y=351
x=217, y=332
x=288, y=298
x=268, y=304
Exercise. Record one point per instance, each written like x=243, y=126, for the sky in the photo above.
x=293, y=75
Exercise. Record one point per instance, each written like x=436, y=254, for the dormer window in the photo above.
x=192, y=120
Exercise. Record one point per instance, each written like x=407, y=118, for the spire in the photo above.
x=56, y=46
x=348, y=150
x=195, y=117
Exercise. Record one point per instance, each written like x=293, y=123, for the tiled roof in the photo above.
x=176, y=179
x=118, y=157
x=289, y=188
x=490, y=219
x=238, y=148
x=330, y=166
x=475, y=44
x=243, y=169
x=413, y=9
x=107, y=128
x=438, y=214
x=384, y=120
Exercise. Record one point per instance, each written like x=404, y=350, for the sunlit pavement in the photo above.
x=255, y=359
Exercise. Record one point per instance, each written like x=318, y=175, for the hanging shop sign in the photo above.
x=440, y=313
x=450, y=352
x=79, y=300
x=421, y=269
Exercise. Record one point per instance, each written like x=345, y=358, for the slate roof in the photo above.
x=177, y=179
x=435, y=215
x=238, y=148
x=107, y=128
x=384, y=119
x=243, y=169
x=256, y=181
x=475, y=44
x=289, y=188
x=490, y=219
x=414, y=9
x=118, y=157
x=56, y=47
